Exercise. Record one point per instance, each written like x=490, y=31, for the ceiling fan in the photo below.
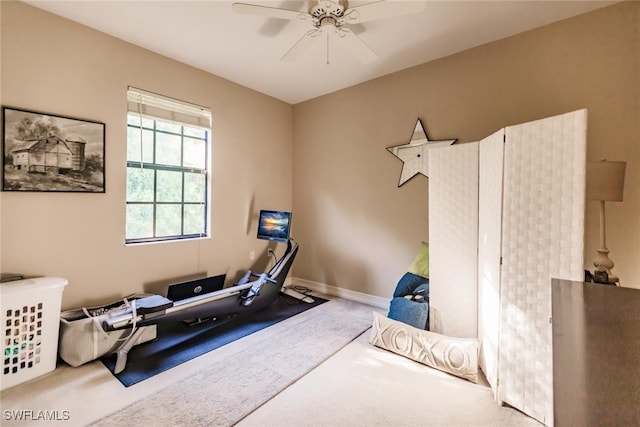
x=331, y=18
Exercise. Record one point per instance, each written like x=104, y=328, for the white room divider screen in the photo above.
x=489, y=248
x=542, y=237
x=453, y=239
x=530, y=215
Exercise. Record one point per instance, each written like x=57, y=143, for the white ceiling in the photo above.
x=247, y=49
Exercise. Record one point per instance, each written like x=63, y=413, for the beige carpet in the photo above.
x=360, y=385
x=363, y=385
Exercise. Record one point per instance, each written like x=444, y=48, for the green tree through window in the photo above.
x=167, y=180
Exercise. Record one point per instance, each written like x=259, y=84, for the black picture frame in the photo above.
x=43, y=152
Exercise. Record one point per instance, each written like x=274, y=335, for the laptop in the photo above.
x=192, y=288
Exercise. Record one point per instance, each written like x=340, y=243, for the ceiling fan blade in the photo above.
x=356, y=45
x=270, y=12
x=382, y=9
x=273, y=26
x=357, y=29
x=301, y=45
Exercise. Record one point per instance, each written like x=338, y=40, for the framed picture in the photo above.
x=44, y=152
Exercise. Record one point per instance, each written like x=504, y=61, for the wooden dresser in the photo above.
x=596, y=354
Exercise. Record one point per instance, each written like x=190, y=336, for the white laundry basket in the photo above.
x=30, y=324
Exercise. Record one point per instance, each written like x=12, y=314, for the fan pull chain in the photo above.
x=327, y=34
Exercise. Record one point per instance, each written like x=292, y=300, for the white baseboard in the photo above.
x=339, y=292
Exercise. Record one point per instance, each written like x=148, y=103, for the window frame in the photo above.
x=143, y=163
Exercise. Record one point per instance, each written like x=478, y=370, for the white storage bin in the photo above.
x=30, y=324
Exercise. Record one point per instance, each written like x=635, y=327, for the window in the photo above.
x=168, y=146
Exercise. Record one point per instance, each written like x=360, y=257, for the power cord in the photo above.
x=273, y=254
x=300, y=289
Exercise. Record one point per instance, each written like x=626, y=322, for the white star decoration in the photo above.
x=415, y=154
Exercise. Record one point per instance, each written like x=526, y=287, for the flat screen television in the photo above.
x=274, y=225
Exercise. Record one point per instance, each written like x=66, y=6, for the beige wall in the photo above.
x=360, y=231
x=53, y=65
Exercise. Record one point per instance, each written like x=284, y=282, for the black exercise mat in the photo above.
x=178, y=343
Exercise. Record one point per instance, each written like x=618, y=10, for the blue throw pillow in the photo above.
x=409, y=312
x=409, y=283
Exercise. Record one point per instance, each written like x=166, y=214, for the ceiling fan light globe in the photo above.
x=328, y=25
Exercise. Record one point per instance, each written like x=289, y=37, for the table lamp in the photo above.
x=605, y=183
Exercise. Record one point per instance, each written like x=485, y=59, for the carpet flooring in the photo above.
x=360, y=385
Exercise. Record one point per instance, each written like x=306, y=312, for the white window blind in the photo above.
x=161, y=107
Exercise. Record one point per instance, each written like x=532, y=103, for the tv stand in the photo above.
x=296, y=294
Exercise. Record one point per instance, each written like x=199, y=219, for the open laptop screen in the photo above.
x=192, y=288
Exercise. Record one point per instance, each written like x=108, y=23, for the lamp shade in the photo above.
x=605, y=180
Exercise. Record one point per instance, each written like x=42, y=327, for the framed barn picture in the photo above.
x=45, y=152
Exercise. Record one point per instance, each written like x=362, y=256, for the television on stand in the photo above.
x=274, y=226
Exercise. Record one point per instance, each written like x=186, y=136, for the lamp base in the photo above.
x=603, y=264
